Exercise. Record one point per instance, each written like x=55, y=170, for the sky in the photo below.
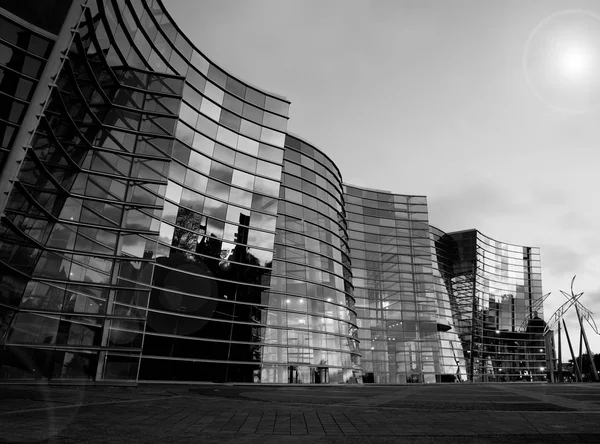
x=489, y=108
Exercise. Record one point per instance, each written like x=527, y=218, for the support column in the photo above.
x=587, y=346
x=560, y=380
x=575, y=363
x=17, y=153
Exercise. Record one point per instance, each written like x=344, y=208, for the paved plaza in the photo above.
x=254, y=414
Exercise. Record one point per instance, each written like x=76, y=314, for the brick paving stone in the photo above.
x=197, y=418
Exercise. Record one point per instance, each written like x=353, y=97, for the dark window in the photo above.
x=255, y=97
x=235, y=87
x=230, y=120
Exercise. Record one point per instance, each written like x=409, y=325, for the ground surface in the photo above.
x=256, y=414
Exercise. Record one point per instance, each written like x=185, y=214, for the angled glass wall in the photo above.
x=312, y=331
x=495, y=289
x=23, y=53
x=405, y=327
x=81, y=223
x=148, y=218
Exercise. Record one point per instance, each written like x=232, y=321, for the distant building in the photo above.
x=159, y=223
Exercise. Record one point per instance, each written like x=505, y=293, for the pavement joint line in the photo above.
x=555, y=398
x=530, y=423
x=72, y=406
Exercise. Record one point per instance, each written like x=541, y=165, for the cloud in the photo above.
x=475, y=202
x=562, y=259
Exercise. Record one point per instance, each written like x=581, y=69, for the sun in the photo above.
x=561, y=61
x=575, y=63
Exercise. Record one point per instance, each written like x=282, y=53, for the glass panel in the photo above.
x=200, y=63
x=248, y=146
x=213, y=92
x=270, y=153
x=269, y=169
x=232, y=103
x=250, y=129
x=245, y=162
x=240, y=197
x=211, y=110
x=206, y=126
x=227, y=137
x=252, y=113
x=221, y=172
x=224, y=154
x=235, y=87
x=203, y=144
x=255, y=97
x=277, y=106
x=243, y=180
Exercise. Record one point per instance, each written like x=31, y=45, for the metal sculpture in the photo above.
x=535, y=308
x=582, y=313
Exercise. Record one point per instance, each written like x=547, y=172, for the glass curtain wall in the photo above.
x=163, y=226
x=495, y=290
x=23, y=55
x=149, y=219
x=206, y=315
x=312, y=331
x=402, y=308
x=81, y=222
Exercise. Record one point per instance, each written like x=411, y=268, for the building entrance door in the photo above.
x=293, y=374
x=319, y=375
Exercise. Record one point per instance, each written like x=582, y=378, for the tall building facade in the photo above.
x=493, y=287
x=312, y=331
x=158, y=223
x=406, y=329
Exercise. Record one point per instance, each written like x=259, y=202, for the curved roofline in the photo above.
x=302, y=139
x=491, y=238
x=436, y=228
x=264, y=91
x=384, y=191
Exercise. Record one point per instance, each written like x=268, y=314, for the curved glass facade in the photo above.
x=160, y=224
x=405, y=325
x=495, y=289
x=312, y=333
x=156, y=225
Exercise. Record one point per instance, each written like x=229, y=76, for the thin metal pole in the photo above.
x=549, y=354
x=559, y=356
x=580, y=357
x=571, y=350
x=587, y=346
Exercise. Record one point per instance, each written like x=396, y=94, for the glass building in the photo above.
x=158, y=223
x=494, y=288
x=406, y=329
x=312, y=327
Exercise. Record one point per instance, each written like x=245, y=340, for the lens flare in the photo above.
x=561, y=61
